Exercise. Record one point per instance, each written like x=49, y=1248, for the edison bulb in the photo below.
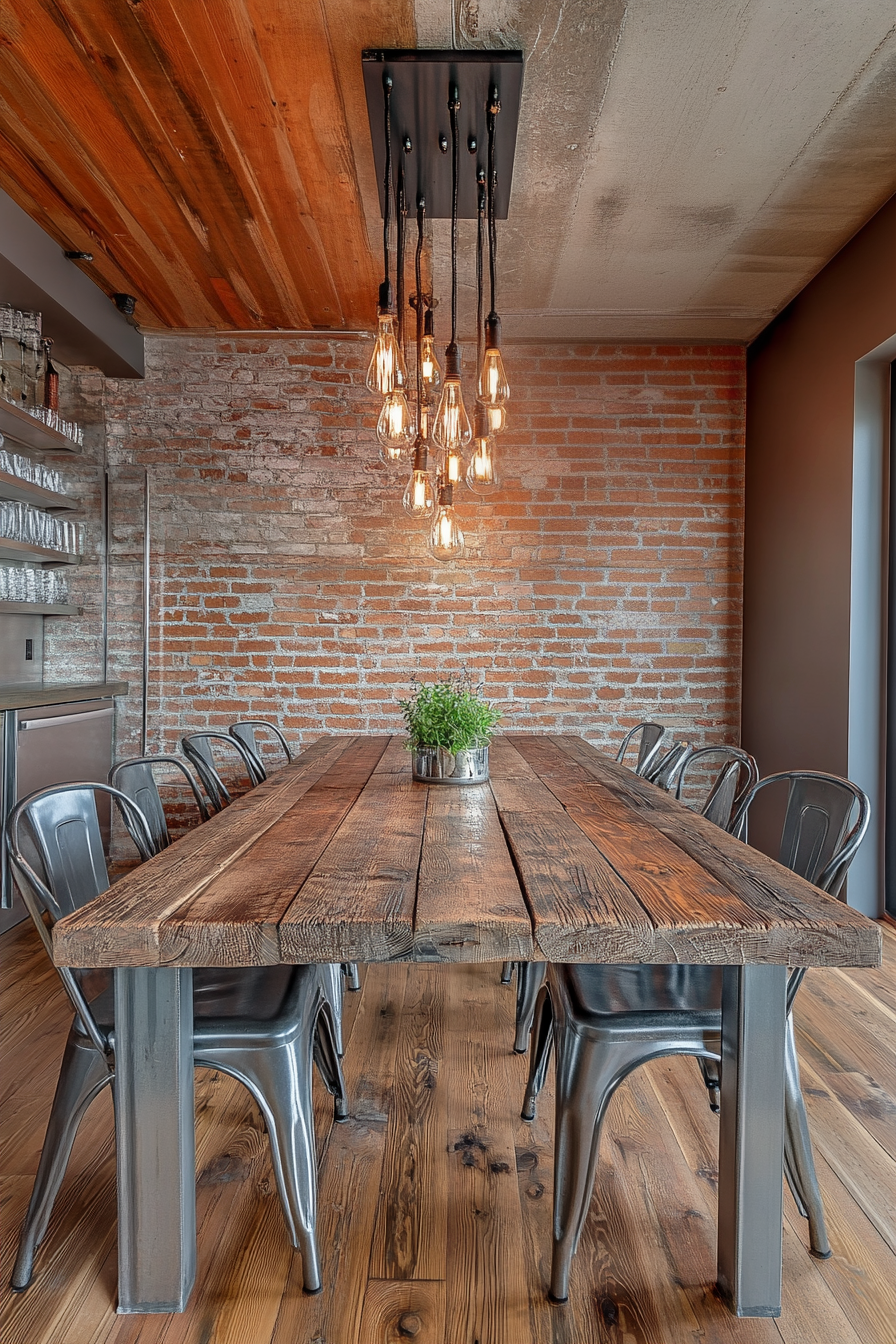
x=482, y=473
x=446, y=541
x=419, y=500
x=386, y=364
x=453, y=468
x=395, y=427
x=451, y=430
x=494, y=388
x=430, y=372
x=497, y=419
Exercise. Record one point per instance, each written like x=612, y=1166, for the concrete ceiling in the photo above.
x=684, y=167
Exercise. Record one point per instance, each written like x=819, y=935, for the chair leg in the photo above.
x=83, y=1075
x=709, y=1068
x=350, y=971
x=279, y=1078
x=530, y=976
x=800, y=1162
x=329, y=1065
x=331, y=981
x=507, y=972
x=540, y=1055
x=587, y=1074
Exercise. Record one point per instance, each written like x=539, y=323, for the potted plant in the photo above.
x=450, y=725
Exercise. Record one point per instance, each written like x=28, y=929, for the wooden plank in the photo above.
x=523, y=795
x=358, y=903
x=581, y=908
x=670, y=1091
x=395, y=1312
x=469, y=903
x=809, y=928
x=350, y=1175
x=654, y=1237
x=858, y=1159
x=121, y=927
x=488, y=1292
x=409, y=1238
x=233, y=920
x=697, y=918
x=860, y=1273
x=505, y=762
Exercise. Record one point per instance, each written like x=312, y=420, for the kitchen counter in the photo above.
x=29, y=694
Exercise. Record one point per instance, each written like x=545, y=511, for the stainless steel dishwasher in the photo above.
x=52, y=744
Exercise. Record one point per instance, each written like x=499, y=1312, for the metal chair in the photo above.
x=664, y=770
x=605, y=1020
x=648, y=746
x=246, y=732
x=264, y=1026
x=198, y=749
x=737, y=775
x=136, y=779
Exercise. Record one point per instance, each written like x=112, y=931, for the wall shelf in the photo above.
x=38, y=609
x=14, y=488
x=24, y=551
x=21, y=428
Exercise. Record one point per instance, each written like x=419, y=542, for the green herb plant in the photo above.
x=449, y=714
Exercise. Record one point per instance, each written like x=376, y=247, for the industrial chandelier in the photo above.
x=411, y=95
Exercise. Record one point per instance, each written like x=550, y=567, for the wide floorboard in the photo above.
x=435, y=1198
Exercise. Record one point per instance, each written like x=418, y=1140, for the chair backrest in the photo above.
x=651, y=735
x=62, y=830
x=135, y=778
x=738, y=773
x=197, y=748
x=665, y=770
x=245, y=731
x=817, y=840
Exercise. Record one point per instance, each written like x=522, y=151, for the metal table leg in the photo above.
x=155, y=1138
x=751, y=1139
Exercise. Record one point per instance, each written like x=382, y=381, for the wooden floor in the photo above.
x=435, y=1198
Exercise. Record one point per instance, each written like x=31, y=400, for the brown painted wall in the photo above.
x=800, y=407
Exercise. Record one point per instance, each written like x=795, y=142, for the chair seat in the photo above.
x=598, y=992
x=256, y=994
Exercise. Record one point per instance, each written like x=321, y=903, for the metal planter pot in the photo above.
x=433, y=765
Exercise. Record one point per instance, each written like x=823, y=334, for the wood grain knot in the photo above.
x=409, y=1325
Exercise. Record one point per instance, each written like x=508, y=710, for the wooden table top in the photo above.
x=563, y=856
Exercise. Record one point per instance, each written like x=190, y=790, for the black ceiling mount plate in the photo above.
x=421, y=81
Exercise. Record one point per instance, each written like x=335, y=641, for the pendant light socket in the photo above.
x=452, y=361
x=481, y=423
x=493, y=331
x=387, y=297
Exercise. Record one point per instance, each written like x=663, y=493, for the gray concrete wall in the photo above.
x=800, y=465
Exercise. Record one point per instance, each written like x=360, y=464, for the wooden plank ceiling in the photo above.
x=213, y=155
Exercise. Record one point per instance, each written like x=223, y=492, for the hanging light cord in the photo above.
x=480, y=248
x=418, y=276
x=387, y=176
x=402, y=222
x=494, y=107
x=453, y=106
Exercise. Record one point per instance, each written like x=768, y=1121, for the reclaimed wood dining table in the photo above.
x=563, y=856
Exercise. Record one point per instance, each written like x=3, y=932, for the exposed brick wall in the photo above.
x=602, y=583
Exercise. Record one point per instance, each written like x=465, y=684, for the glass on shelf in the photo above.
x=21, y=522
x=44, y=587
